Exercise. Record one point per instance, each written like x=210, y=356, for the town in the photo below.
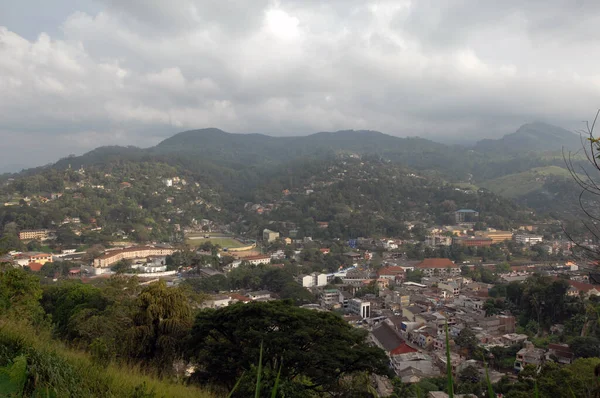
x=405, y=304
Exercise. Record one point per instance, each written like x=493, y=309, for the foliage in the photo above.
x=318, y=347
x=20, y=293
x=160, y=325
x=36, y=366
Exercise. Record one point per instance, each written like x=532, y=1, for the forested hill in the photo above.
x=235, y=164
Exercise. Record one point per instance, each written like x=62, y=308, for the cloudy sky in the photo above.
x=79, y=74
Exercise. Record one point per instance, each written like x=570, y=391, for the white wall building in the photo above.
x=305, y=280
x=359, y=307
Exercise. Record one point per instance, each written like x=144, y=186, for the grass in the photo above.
x=519, y=184
x=223, y=242
x=51, y=366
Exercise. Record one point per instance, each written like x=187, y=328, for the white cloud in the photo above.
x=135, y=71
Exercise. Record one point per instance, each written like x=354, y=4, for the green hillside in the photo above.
x=520, y=184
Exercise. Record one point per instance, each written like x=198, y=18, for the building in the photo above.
x=393, y=273
x=466, y=215
x=330, y=297
x=514, y=338
x=472, y=241
x=528, y=239
x=270, y=236
x=258, y=259
x=314, y=279
x=41, y=234
x=561, y=353
x=495, y=236
x=259, y=295
x=217, y=301
x=114, y=256
x=305, y=280
x=386, y=338
x=529, y=355
x=438, y=240
x=359, y=307
x=451, y=287
x=26, y=259
x=441, y=266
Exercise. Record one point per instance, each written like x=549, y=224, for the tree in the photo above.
x=590, y=190
x=20, y=293
x=317, y=348
x=161, y=323
x=466, y=339
x=585, y=347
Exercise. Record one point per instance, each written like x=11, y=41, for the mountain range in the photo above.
x=519, y=165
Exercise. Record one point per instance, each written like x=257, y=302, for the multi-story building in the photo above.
x=528, y=239
x=24, y=259
x=359, y=307
x=41, y=234
x=529, y=355
x=495, y=236
x=441, y=266
x=112, y=257
x=314, y=279
x=270, y=236
x=330, y=297
x=451, y=287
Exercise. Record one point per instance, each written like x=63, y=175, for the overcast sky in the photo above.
x=75, y=75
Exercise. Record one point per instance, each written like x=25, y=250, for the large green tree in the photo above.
x=162, y=321
x=316, y=348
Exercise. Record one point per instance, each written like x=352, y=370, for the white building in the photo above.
x=305, y=280
x=314, y=279
x=319, y=279
x=217, y=301
x=527, y=239
x=359, y=307
x=168, y=182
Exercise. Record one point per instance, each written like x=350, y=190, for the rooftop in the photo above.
x=436, y=263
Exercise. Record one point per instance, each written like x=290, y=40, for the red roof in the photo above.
x=324, y=250
x=402, y=349
x=239, y=297
x=581, y=286
x=35, y=267
x=436, y=263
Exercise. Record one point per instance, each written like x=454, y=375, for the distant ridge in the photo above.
x=537, y=137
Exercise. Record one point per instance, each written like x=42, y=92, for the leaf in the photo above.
x=276, y=386
x=237, y=384
x=259, y=373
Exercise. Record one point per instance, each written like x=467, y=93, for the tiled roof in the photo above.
x=436, y=263
x=402, y=349
x=35, y=267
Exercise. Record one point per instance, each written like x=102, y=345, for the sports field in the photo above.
x=224, y=242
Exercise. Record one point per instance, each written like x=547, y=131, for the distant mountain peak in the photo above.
x=536, y=136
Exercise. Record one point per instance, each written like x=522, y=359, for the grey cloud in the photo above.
x=131, y=72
